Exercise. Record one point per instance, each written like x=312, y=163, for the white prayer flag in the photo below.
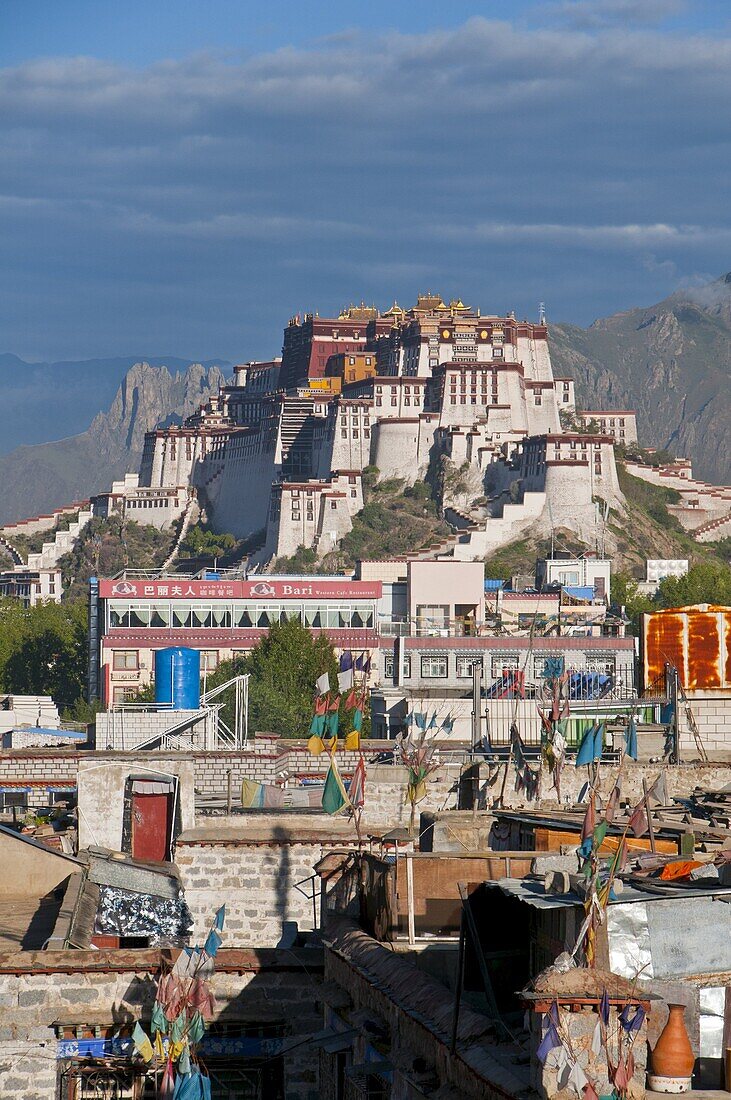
x=345, y=680
x=323, y=684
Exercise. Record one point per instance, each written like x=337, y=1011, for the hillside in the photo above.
x=647, y=530
x=671, y=362
x=38, y=478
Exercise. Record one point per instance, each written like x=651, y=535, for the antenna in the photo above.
x=541, y=313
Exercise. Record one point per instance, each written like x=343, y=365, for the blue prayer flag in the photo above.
x=630, y=740
x=585, y=755
x=214, y=941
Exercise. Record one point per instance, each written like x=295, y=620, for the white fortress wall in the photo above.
x=249, y=470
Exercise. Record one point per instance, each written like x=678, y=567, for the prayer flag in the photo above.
x=658, y=791
x=346, y=660
x=587, y=829
x=352, y=741
x=315, y=745
x=214, y=941
x=333, y=722
x=356, y=790
x=585, y=755
x=420, y=720
x=599, y=741
x=345, y=680
x=334, y=703
x=630, y=740
x=358, y=719
x=317, y=725
x=322, y=684
x=141, y=1041
x=638, y=820
x=220, y=918
x=334, y=796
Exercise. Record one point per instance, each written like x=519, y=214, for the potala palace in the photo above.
x=438, y=392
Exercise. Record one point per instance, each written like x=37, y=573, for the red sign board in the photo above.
x=263, y=588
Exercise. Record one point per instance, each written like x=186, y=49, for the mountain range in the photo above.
x=670, y=361
x=35, y=479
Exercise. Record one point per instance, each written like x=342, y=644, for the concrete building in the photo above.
x=31, y=586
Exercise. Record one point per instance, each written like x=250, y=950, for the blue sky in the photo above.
x=178, y=178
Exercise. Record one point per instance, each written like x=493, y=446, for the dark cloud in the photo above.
x=190, y=206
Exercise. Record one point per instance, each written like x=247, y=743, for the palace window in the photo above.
x=434, y=668
x=465, y=666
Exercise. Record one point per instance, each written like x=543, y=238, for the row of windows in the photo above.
x=237, y=616
x=128, y=660
x=436, y=667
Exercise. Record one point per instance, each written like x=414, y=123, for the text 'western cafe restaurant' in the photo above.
x=419, y=626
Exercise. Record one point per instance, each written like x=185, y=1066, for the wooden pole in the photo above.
x=648, y=811
x=460, y=983
x=410, y=898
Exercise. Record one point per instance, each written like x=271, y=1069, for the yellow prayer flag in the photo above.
x=352, y=741
x=316, y=745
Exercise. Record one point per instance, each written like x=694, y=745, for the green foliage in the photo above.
x=705, y=582
x=652, y=499
x=106, y=546
x=625, y=593
x=304, y=560
x=283, y=667
x=395, y=520
x=43, y=649
x=200, y=542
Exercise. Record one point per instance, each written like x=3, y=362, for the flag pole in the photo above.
x=648, y=814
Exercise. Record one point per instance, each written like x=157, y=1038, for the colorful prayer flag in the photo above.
x=322, y=685
x=334, y=795
x=356, y=790
x=352, y=741
x=142, y=1044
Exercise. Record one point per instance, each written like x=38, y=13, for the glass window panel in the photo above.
x=315, y=616
x=181, y=615
x=139, y=616
x=221, y=617
x=160, y=615
x=368, y=617
x=242, y=616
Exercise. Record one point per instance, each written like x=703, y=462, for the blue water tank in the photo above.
x=178, y=677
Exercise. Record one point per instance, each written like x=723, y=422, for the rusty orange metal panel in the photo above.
x=665, y=644
x=727, y=640
x=704, y=651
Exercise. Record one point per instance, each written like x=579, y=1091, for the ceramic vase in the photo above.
x=673, y=1055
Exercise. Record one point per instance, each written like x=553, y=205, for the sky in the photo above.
x=179, y=178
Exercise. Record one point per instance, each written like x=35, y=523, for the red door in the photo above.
x=151, y=825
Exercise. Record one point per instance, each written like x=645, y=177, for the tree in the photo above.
x=284, y=667
x=625, y=593
x=44, y=650
x=705, y=582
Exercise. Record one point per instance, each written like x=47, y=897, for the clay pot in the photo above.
x=673, y=1055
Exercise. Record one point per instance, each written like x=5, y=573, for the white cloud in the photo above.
x=495, y=153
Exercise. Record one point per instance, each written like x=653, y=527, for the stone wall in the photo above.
x=39, y=988
x=264, y=885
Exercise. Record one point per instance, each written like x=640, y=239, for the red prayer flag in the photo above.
x=335, y=704
x=589, y=825
x=638, y=820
